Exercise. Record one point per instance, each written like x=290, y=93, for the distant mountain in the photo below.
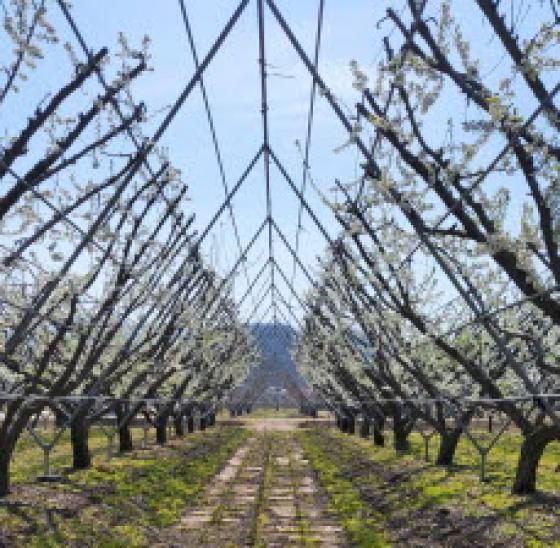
x=275, y=343
x=277, y=372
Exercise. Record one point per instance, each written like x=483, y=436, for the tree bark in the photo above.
x=59, y=417
x=364, y=428
x=448, y=441
x=532, y=449
x=5, y=458
x=79, y=436
x=179, y=425
x=9, y=434
x=161, y=430
x=401, y=433
x=378, y=437
x=190, y=424
x=125, y=439
x=401, y=441
x=125, y=436
x=351, y=424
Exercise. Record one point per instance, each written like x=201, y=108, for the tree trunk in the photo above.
x=179, y=425
x=351, y=425
x=401, y=434
x=10, y=433
x=60, y=418
x=202, y=423
x=190, y=424
x=125, y=439
x=401, y=441
x=161, y=430
x=5, y=458
x=448, y=441
x=79, y=436
x=531, y=452
x=364, y=428
x=378, y=437
x=125, y=436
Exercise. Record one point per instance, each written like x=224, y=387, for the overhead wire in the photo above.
x=310, y=117
x=210, y=117
x=266, y=144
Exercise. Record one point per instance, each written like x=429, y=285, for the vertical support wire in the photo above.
x=266, y=146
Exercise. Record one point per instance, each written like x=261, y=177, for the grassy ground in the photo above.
x=271, y=413
x=124, y=502
x=28, y=457
x=267, y=496
x=385, y=498
x=380, y=497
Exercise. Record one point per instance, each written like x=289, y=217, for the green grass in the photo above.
x=378, y=495
x=27, y=463
x=362, y=524
x=271, y=413
x=123, y=502
x=259, y=518
x=403, y=487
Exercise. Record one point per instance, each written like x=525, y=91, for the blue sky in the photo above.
x=350, y=31
x=232, y=82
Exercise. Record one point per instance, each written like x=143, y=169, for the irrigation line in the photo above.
x=481, y=316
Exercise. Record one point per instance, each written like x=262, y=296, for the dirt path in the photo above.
x=266, y=495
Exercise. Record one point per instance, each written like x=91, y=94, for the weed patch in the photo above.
x=415, y=501
x=124, y=502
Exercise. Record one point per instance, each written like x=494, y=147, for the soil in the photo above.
x=266, y=495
